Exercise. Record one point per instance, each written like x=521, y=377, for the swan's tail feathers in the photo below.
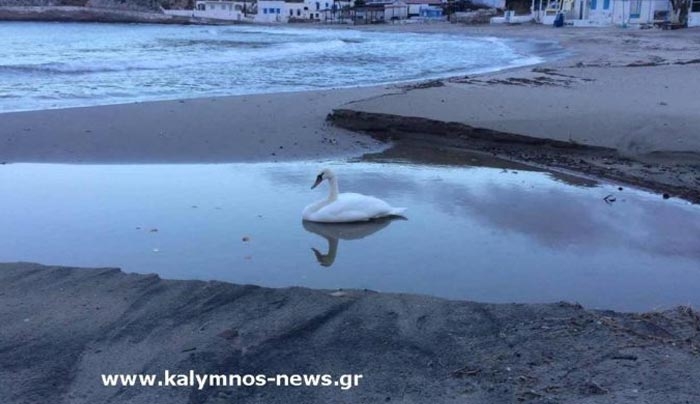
x=397, y=211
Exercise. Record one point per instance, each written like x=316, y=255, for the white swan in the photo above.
x=346, y=207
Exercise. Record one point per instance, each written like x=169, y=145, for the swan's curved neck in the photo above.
x=333, y=182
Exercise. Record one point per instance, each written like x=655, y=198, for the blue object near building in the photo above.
x=431, y=12
x=559, y=20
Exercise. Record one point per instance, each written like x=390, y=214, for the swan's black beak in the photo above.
x=319, y=179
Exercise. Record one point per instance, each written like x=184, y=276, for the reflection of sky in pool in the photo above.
x=472, y=233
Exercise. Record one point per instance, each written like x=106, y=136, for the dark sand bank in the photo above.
x=63, y=327
x=676, y=174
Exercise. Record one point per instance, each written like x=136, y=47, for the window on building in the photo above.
x=594, y=4
x=298, y=12
x=291, y=13
x=318, y=6
x=635, y=8
x=279, y=10
x=606, y=4
x=264, y=11
x=695, y=7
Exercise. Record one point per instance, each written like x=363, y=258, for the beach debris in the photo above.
x=624, y=357
x=189, y=349
x=338, y=293
x=194, y=206
x=248, y=257
x=666, y=196
x=228, y=334
x=619, y=188
x=593, y=388
x=610, y=199
x=529, y=395
x=153, y=230
x=465, y=371
x=156, y=250
x=245, y=239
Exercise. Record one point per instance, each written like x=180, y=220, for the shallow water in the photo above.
x=54, y=65
x=476, y=233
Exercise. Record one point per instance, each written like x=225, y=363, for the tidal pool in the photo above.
x=476, y=233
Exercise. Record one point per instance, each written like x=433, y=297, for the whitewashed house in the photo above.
x=396, y=11
x=219, y=9
x=269, y=11
x=415, y=6
x=694, y=14
x=603, y=12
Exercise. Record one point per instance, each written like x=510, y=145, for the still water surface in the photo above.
x=476, y=233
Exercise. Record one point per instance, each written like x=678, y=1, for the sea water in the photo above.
x=55, y=65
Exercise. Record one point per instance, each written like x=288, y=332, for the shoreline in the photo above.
x=546, y=51
x=587, y=95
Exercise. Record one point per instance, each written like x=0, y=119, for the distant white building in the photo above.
x=396, y=11
x=269, y=11
x=292, y=10
x=694, y=15
x=603, y=12
x=219, y=9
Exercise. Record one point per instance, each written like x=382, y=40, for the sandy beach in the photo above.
x=67, y=326
x=622, y=106
x=262, y=127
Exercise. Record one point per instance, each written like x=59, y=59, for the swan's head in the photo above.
x=326, y=174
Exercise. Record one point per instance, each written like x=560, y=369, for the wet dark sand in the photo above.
x=63, y=327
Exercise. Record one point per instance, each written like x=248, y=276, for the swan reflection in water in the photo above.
x=333, y=232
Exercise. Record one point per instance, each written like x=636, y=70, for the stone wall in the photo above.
x=135, y=5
